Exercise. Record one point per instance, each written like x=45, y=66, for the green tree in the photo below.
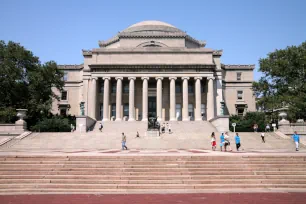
x=26, y=83
x=284, y=80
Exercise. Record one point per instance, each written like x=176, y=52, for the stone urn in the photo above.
x=283, y=115
x=21, y=124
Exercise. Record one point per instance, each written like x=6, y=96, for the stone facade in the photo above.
x=154, y=69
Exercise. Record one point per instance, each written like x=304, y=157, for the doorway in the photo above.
x=152, y=106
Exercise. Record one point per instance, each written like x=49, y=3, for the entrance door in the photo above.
x=151, y=106
x=178, y=111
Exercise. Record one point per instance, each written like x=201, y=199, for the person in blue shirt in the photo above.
x=222, y=140
x=296, y=139
x=237, y=141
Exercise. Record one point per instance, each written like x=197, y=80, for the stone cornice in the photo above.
x=237, y=82
x=217, y=52
x=70, y=66
x=153, y=50
x=87, y=52
x=148, y=66
x=238, y=66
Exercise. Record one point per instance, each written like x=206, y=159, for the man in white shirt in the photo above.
x=263, y=137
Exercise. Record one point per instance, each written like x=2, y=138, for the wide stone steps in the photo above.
x=76, y=174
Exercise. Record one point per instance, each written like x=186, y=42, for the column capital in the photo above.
x=132, y=78
x=210, y=77
x=104, y=78
x=94, y=78
x=145, y=78
x=117, y=78
x=175, y=78
x=161, y=78
x=198, y=78
x=185, y=78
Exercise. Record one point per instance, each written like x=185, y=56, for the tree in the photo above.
x=284, y=80
x=25, y=82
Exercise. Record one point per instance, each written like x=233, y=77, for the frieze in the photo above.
x=218, y=52
x=238, y=66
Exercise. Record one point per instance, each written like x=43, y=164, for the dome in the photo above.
x=149, y=26
x=152, y=23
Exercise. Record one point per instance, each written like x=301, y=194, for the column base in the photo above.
x=198, y=119
x=105, y=120
x=186, y=119
x=118, y=120
x=131, y=120
x=144, y=120
x=173, y=119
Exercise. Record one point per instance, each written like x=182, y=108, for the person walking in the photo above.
x=263, y=137
x=267, y=128
x=124, y=142
x=255, y=127
x=221, y=141
x=100, y=127
x=237, y=140
x=169, y=128
x=296, y=139
x=137, y=134
x=213, y=141
x=227, y=142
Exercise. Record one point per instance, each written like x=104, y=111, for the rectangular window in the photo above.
x=101, y=87
x=126, y=109
x=190, y=111
x=239, y=95
x=178, y=88
x=63, y=112
x=114, y=87
x=238, y=76
x=203, y=109
x=113, y=110
x=65, y=77
x=190, y=88
x=240, y=111
x=64, y=96
x=125, y=87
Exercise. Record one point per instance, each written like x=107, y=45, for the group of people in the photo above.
x=267, y=128
x=225, y=142
x=165, y=127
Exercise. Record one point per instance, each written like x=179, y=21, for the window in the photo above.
x=238, y=76
x=64, y=96
x=101, y=111
x=63, y=112
x=190, y=111
x=65, y=77
x=126, y=109
x=113, y=110
x=190, y=88
x=178, y=88
x=101, y=86
x=178, y=111
x=240, y=111
x=125, y=87
x=239, y=95
x=203, y=110
x=114, y=87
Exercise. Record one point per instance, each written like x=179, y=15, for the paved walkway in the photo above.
x=216, y=198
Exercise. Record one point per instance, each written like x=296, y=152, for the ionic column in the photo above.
x=198, y=115
x=145, y=98
x=119, y=98
x=106, y=99
x=185, y=99
x=93, y=97
x=132, y=99
x=210, y=98
x=159, y=99
x=172, y=98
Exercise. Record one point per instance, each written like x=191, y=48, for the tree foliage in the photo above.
x=26, y=83
x=284, y=80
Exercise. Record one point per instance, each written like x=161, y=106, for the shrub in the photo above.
x=54, y=124
x=8, y=115
x=245, y=123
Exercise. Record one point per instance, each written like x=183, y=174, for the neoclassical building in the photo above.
x=155, y=69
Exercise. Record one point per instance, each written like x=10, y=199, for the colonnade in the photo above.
x=185, y=117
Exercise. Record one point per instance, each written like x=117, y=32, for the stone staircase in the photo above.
x=119, y=174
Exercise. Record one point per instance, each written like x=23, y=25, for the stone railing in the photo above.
x=84, y=123
x=221, y=123
x=291, y=127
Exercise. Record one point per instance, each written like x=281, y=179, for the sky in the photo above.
x=246, y=30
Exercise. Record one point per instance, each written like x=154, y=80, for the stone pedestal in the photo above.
x=21, y=124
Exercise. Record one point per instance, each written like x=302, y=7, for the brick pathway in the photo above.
x=216, y=198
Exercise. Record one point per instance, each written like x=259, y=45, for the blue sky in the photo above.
x=246, y=30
